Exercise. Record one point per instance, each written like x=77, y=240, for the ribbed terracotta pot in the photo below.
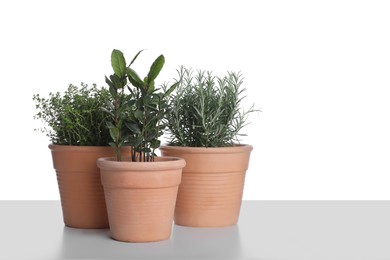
x=212, y=184
x=141, y=197
x=81, y=192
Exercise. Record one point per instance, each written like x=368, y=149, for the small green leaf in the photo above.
x=114, y=132
x=156, y=98
x=118, y=63
x=110, y=125
x=134, y=79
x=110, y=105
x=109, y=82
x=105, y=110
x=162, y=127
x=152, y=106
x=151, y=137
x=151, y=87
x=137, y=141
x=171, y=89
x=140, y=102
x=139, y=114
x=112, y=88
x=133, y=128
x=146, y=150
x=135, y=57
x=155, y=144
x=156, y=68
x=131, y=91
x=131, y=102
x=124, y=142
x=118, y=83
x=113, y=91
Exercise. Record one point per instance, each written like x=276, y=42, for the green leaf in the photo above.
x=113, y=91
x=154, y=108
x=131, y=102
x=140, y=102
x=139, y=114
x=171, y=89
x=110, y=125
x=134, y=79
x=118, y=63
x=146, y=150
x=155, y=144
x=151, y=136
x=118, y=83
x=156, y=68
x=114, y=132
x=131, y=91
x=112, y=88
x=135, y=57
x=157, y=97
x=137, y=141
x=133, y=128
x=109, y=83
x=151, y=87
x=105, y=110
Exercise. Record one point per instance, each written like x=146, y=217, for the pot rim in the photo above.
x=77, y=148
x=167, y=163
x=236, y=148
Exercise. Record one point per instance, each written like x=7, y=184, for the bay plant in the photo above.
x=74, y=117
x=206, y=110
x=137, y=108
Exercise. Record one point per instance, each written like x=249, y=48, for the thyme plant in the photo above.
x=205, y=110
x=136, y=116
x=74, y=117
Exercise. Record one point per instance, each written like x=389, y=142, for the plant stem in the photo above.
x=117, y=148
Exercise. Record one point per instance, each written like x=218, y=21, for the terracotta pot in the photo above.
x=212, y=184
x=141, y=197
x=82, y=196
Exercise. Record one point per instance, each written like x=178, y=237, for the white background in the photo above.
x=319, y=70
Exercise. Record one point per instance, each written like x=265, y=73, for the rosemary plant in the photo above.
x=74, y=117
x=205, y=110
x=137, y=115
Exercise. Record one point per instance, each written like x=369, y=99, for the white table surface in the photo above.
x=266, y=230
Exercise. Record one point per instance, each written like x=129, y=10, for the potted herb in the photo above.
x=75, y=125
x=204, y=119
x=140, y=190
